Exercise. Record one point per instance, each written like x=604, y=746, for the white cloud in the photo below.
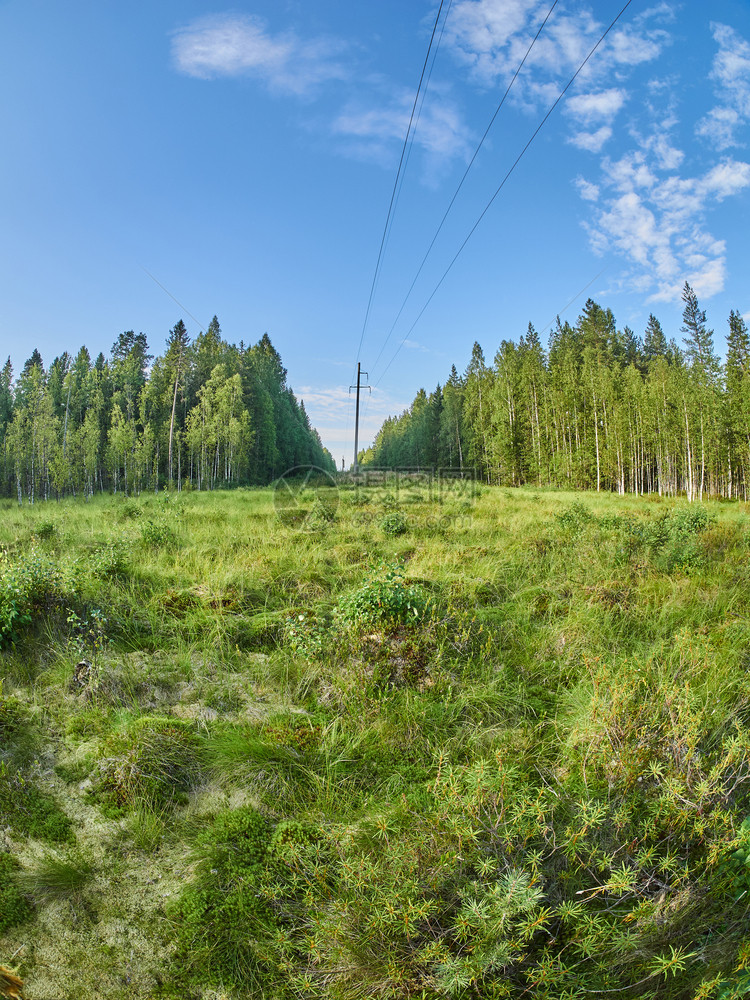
x=629, y=172
x=658, y=223
x=731, y=74
x=491, y=38
x=731, y=69
x=719, y=127
x=331, y=413
x=591, y=141
x=377, y=132
x=234, y=45
x=668, y=157
x=726, y=179
x=602, y=104
x=587, y=190
x=629, y=47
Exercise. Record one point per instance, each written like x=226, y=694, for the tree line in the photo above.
x=204, y=414
x=600, y=408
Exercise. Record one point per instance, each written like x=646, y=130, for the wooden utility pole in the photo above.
x=360, y=373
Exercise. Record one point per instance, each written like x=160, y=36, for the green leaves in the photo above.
x=384, y=598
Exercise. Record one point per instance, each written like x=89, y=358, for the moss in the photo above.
x=31, y=812
x=14, y=907
x=222, y=919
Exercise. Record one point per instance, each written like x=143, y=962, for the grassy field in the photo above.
x=395, y=741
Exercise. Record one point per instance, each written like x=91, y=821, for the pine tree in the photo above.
x=177, y=344
x=654, y=342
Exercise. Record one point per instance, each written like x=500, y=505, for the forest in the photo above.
x=205, y=414
x=600, y=409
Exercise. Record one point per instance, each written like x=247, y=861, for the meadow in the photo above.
x=397, y=741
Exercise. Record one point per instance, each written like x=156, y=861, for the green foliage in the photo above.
x=223, y=922
x=29, y=811
x=157, y=534
x=152, y=761
x=308, y=635
x=28, y=584
x=534, y=786
x=574, y=517
x=385, y=598
x=46, y=530
x=131, y=510
x=672, y=540
x=88, y=635
x=14, y=907
x=23, y=806
x=108, y=560
x=394, y=524
x=19, y=739
x=322, y=513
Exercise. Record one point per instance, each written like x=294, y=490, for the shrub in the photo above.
x=109, y=560
x=307, y=635
x=672, y=540
x=88, y=635
x=384, y=598
x=574, y=516
x=389, y=502
x=131, y=510
x=18, y=738
x=322, y=513
x=23, y=806
x=154, y=761
x=14, y=908
x=394, y=524
x=46, y=530
x=157, y=534
x=30, y=583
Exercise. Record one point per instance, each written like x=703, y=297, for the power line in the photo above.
x=395, y=184
x=576, y=296
x=461, y=182
x=501, y=186
x=186, y=311
x=416, y=123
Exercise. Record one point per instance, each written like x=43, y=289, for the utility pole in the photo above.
x=356, y=413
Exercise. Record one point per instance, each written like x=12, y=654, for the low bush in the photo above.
x=46, y=530
x=30, y=583
x=672, y=541
x=19, y=738
x=307, y=634
x=131, y=510
x=109, y=560
x=394, y=524
x=158, y=534
x=385, y=598
x=574, y=517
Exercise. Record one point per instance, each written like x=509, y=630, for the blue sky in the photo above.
x=245, y=155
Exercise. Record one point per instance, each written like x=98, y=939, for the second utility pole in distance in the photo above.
x=356, y=413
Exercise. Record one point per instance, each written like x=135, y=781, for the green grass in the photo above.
x=422, y=746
